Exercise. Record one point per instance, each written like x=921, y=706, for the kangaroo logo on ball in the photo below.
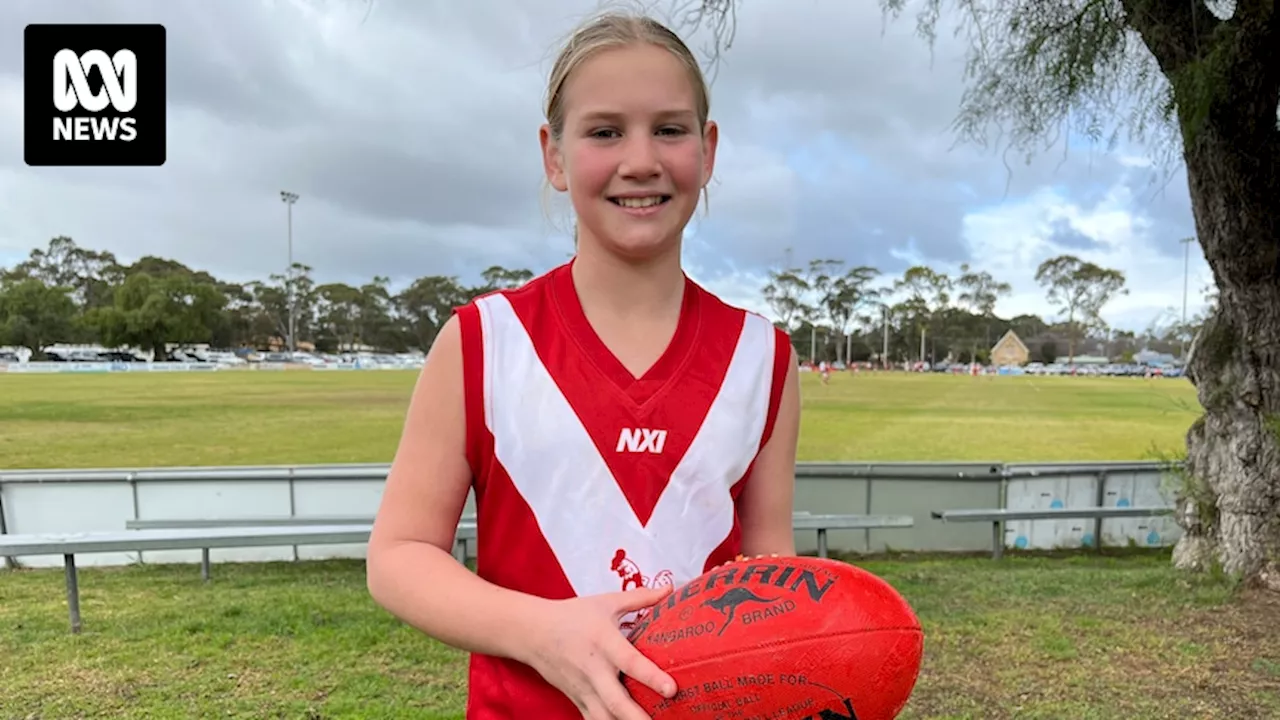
x=727, y=604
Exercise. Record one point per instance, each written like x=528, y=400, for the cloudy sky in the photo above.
x=409, y=129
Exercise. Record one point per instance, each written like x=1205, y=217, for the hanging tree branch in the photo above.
x=1036, y=69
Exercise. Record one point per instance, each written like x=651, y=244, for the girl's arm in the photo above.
x=574, y=644
x=767, y=501
x=411, y=571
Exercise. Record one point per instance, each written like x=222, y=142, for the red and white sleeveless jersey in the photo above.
x=588, y=480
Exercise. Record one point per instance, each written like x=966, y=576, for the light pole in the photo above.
x=289, y=198
x=1186, y=274
x=884, y=354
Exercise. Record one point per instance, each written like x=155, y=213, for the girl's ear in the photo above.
x=552, y=159
x=710, y=140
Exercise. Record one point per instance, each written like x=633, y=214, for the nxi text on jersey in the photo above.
x=642, y=440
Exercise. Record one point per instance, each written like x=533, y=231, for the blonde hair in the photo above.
x=613, y=30
x=609, y=31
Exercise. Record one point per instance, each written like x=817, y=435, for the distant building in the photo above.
x=1010, y=350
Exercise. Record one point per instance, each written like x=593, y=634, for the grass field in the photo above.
x=235, y=418
x=1121, y=638
x=1084, y=637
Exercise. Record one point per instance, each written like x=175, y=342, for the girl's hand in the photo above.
x=579, y=649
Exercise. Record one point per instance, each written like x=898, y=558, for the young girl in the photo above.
x=623, y=429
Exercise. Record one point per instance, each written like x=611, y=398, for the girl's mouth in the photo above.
x=639, y=203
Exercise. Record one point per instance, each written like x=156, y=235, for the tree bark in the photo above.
x=1225, y=75
x=1229, y=507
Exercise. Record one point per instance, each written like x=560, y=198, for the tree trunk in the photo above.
x=1229, y=504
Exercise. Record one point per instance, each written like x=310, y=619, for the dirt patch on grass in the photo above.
x=1024, y=639
x=1245, y=664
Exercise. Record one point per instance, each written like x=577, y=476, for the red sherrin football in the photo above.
x=775, y=638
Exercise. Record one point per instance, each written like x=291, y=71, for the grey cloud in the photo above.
x=387, y=182
x=411, y=136
x=876, y=83
x=1061, y=233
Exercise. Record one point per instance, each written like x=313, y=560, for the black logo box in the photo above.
x=41, y=43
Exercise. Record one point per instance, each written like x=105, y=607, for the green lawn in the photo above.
x=1082, y=636
x=234, y=418
x=1120, y=637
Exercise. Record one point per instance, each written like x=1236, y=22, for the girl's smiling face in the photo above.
x=633, y=154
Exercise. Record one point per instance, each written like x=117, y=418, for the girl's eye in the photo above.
x=610, y=133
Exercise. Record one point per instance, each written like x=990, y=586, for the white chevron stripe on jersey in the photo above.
x=721, y=452
x=576, y=502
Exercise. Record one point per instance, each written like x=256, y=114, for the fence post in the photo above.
x=9, y=562
x=866, y=533
x=997, y=530
x=293, y=507
x=1100, y=499
x=133, y=493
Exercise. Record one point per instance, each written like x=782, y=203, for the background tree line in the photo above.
x=854, y=314
x=65, y=293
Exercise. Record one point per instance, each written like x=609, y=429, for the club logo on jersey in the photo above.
x=642, y=440
x=633, y=578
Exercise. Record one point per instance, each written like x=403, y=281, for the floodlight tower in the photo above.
x=289, y=198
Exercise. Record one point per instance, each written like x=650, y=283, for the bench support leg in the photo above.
x=822, y=542
x=997, y=541
x=204, y=564
x=73, y=592
x=460, y=550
